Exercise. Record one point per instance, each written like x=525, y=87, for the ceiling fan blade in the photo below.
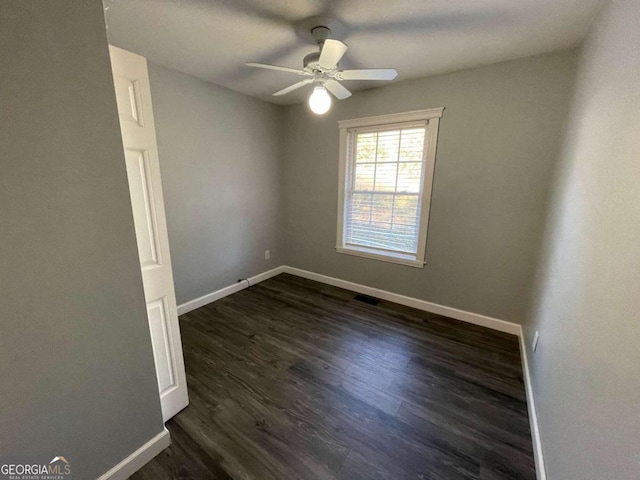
x=369, y=74
x=427, y=23
x=332, y=52
x=338, y=90
x=293, y=87
x=276, y=67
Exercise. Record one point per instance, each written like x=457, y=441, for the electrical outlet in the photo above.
x=267, y=255
x=536, y=337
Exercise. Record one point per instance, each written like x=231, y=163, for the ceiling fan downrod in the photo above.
x=320, y=34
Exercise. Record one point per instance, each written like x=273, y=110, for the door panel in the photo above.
x=128, y=99
x=162, y=345
x=133, y=95
x=144, y=214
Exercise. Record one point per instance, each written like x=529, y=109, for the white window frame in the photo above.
x=431, y=117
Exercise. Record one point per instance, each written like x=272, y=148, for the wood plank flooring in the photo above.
x=293, y=379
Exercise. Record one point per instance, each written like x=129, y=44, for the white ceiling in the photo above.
x=212, y=39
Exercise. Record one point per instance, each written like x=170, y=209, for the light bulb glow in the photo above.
x=320, y=100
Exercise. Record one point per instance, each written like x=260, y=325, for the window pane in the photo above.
x=382, y=208
x=366, y=147
x=364, y=176
x=405, y=237
x=360, y=208
x=386, y=177
x=411, y=145
x=406, y=210
x=388, y=144
x=383, y=221
x=409, y=177
x=371, y=234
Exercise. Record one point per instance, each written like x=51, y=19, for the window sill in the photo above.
x=390, y=257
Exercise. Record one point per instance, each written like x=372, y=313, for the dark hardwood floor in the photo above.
x=292, y=379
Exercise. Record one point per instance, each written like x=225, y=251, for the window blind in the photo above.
x=383, y=187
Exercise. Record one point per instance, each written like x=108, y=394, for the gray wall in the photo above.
x=76, y=367
x=499, y=138
x=586, y=370
x=220, y=155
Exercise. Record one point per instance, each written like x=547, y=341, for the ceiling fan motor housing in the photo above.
x=320, y=34
x=311, y=59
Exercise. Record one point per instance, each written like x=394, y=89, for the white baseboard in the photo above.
x=226, y=291
x=541, y=472
x=463, y=315
x=139, y=458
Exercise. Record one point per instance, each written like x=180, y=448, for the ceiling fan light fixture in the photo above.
x=319, y=100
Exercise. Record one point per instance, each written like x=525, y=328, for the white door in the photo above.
x=133, y=96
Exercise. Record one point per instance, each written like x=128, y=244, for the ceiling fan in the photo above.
x=322, y=69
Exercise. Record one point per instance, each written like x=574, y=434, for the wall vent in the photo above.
x=366, y=299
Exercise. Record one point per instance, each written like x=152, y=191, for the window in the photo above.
x=386, y=174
